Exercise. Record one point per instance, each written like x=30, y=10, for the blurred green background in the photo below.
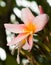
x=10, y=13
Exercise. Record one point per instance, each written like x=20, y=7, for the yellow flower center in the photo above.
x=23, y=41
x=31, y=27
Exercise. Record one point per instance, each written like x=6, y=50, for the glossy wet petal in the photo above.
x=16, y=28
x=17, y=39
x=26, y=46
x=27, y=16
x=30, y=41
x=40, y=21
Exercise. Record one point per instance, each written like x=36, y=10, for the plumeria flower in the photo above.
x=25, y=31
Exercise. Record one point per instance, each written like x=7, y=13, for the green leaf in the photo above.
x=10, y=60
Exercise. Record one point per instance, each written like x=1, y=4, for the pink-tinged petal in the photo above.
x=27, y=16
x=18, y=39
x=15, y=28
x=26, y=46
x=41, y=9
x=40, y=21
x=30, y=42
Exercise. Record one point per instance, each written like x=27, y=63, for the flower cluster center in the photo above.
x=31, y=27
